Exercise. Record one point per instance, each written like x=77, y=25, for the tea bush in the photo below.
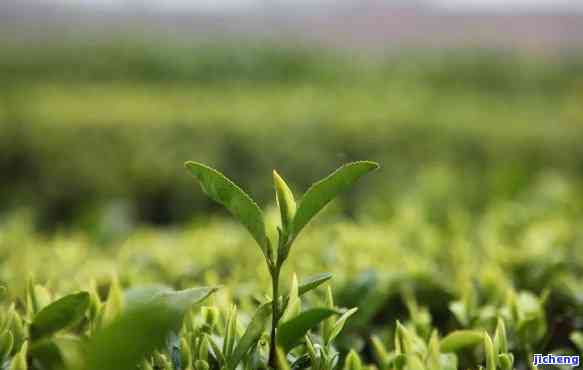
x=475, y=290
x=462, y=253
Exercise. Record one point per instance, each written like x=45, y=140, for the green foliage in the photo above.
x=19, y=362
x=59, y=315
x=130, y=337
x=322, y=192
x=461, y=339
x=224, y=191
x=471, y=241
x=142, y=328
x=251, y=335
x=291, y=331
x=577, y=338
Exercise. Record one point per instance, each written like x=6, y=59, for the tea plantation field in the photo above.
x=462, y=251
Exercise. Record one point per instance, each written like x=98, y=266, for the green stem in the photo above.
x=274, y=315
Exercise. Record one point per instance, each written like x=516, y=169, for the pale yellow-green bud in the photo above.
x=19, y=361
x=353, y=362
x=285, y=201
x=489, y=352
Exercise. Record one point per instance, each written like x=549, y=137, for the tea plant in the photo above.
x=294, y=217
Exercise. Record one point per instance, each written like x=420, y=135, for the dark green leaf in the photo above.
x=59, y=315
x=312, y=282
x=251, y=335
x=222, y=190
x=57, y=353
x=322, y=192
x=292, y=331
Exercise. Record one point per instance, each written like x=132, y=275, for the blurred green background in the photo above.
x=91, y=131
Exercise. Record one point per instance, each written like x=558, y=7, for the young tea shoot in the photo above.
x=294, y=217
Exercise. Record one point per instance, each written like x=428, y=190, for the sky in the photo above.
x=229, y=5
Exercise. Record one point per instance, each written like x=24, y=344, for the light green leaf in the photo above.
x=294, y=305
x=222, y=190
x=175, y=302
x=491, y=355
x=310, y=283
x=292, y=331
x=448, y=361
x=500, y=341
x=577, y=338
x=19, y=361
x=182, y=300
x=114, y=304
x=339, y=324
x=379, y=350
x=322, y=192
x=59, y=315
x=282, y=363
x=251, y=335
x=433, y=352
x=506, y=361
x=461, y=339
x=230, y=332
x=414, y=362
x=142, y=294
x=137, y=332
x=352, y=362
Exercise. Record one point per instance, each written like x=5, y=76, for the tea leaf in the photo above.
x=222, y=190
x=339, y=324
x=323, y=191
x=293, y=331
x=6, y=343
x=577, y=338
x=19, y=362
x=312, y=282
x=114, y=304
x=142, y=294
x=448, y=361
x=379, y=350
x=500, y=341
x=491, y=355
x=182, y=300
x=282, y=363
x=57, y=353
x=294, y=305
x=251, y=335
x=461, y=339
x=177, y=302
x=59, y=315
x=230, y=331
x=135, y=333
x=506, y=361
x=352, y=362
